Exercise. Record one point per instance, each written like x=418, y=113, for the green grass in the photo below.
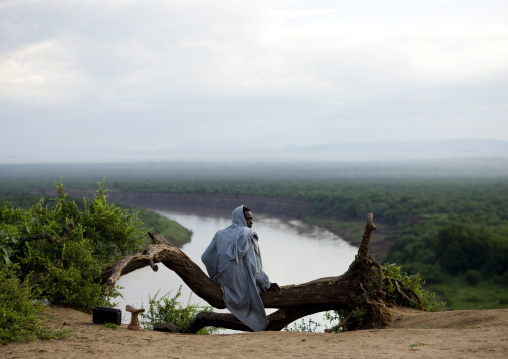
x=154, y=222
x=46, y=333
x=462, y=296
x=110, y=326
x=351, y=231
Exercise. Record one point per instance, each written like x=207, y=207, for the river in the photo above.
x=293, y=252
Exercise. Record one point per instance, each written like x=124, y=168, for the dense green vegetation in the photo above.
x=56, y=252
x=149, y=220
x=20, y=309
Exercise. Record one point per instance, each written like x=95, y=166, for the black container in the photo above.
x=102, y=315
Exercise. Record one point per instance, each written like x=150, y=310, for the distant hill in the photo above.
x=380, y=150
x=410, y=150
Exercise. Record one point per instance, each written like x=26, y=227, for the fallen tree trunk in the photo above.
x=361, y=285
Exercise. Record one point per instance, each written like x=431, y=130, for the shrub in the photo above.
x=334, y=317
x=460, y=248
x=168, y=309
x=413, y=282
x=114, y=232
x=19, y=311
x=310, y=326
x=62, y=249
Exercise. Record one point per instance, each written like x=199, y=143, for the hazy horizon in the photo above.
x=348, y=152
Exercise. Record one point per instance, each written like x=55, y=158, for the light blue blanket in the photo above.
x=233, y=260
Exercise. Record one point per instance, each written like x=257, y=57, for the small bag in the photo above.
x=102, y=315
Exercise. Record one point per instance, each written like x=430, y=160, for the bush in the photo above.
x=57, y=252
x=113, y=232
x=62, y=249
x=460, y=248
x=334, y=317
x=308, y=327
x=415, y=283
x=19, y=311
x=168, y=309
x=70, y=280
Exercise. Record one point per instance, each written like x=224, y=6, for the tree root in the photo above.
x=416, y=302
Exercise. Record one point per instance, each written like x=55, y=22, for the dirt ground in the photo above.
x=412, y=334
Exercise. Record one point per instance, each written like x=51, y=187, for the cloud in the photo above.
x=144, y=50
x=288, y=72
x=299, y=13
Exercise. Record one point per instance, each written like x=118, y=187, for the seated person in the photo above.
x=233, y=260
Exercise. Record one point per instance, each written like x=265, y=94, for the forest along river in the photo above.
x=293, y=252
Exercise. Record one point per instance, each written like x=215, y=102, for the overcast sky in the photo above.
x=155, y=74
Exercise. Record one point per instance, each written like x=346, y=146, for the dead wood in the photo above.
x=361, y=285
x=158, y=238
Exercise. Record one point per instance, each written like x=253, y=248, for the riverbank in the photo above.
x=412, y=333
x=350, y=231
